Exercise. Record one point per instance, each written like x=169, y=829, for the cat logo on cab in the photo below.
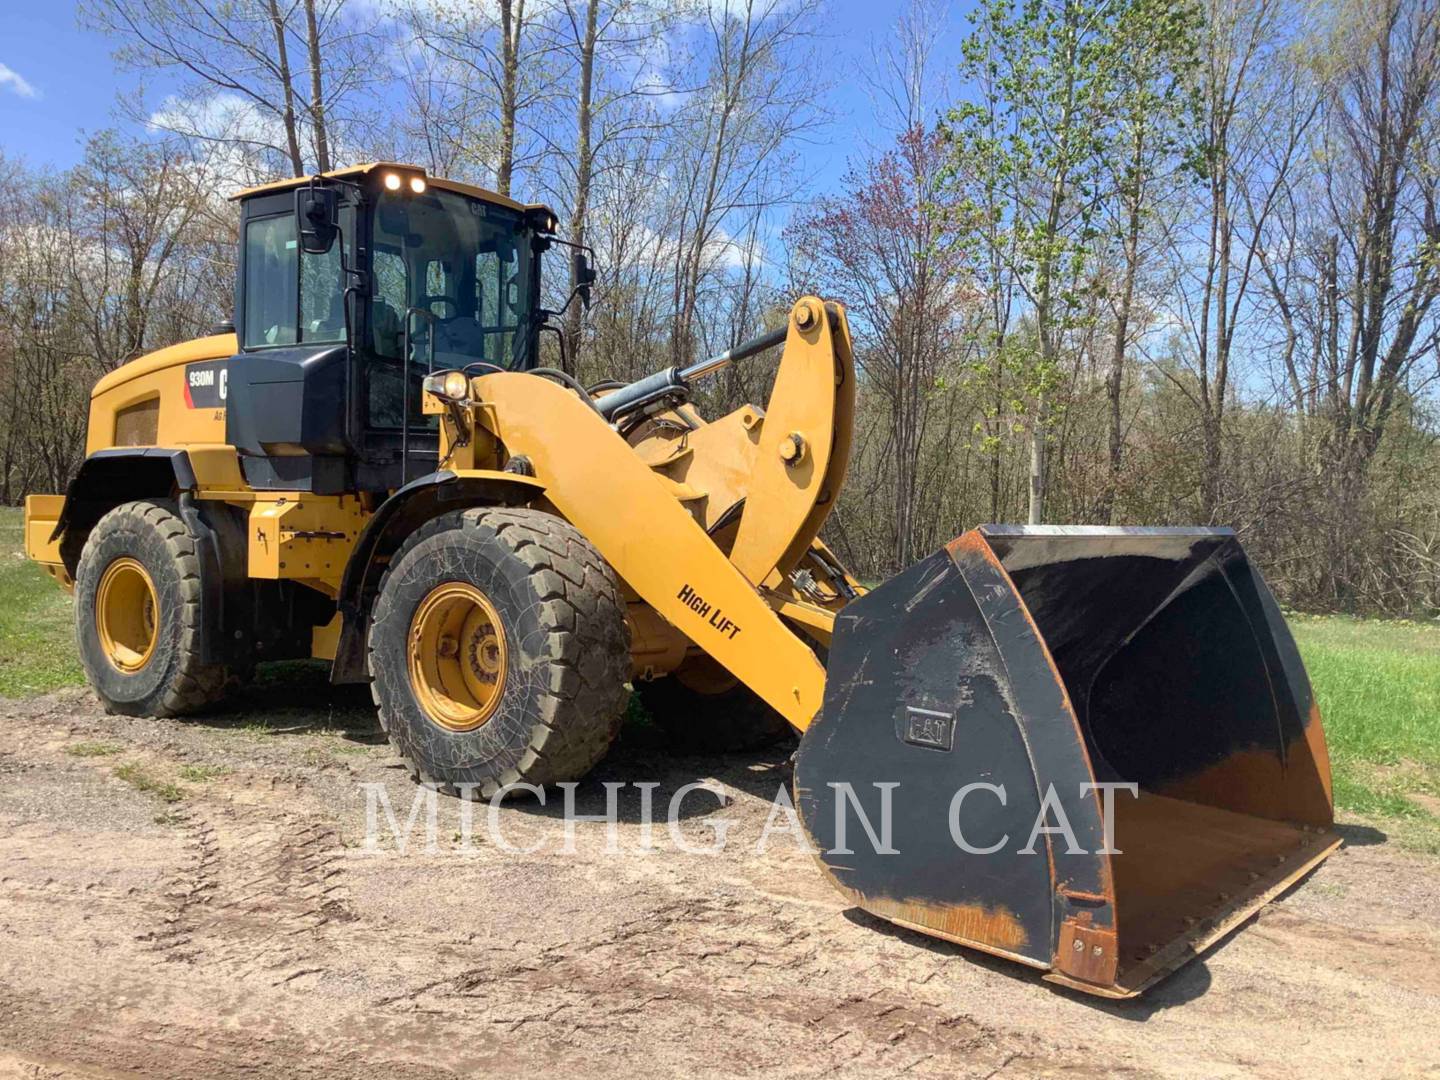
x=205, y=384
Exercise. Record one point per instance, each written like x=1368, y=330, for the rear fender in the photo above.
x=108, y=478
x=111, y=477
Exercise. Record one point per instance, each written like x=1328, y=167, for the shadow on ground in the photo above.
x=1360, y=835
x=297, y=698
x=1184, y=985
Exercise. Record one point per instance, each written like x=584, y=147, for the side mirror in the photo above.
x=317, y=219
x=583, y=274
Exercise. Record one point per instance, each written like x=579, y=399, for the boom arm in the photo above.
x=598, y=482
x=804, y=441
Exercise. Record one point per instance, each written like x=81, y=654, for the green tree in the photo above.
x=1035, y=132
x=1052, y=81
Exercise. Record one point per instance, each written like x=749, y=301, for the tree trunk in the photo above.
x=583, y=168
x=282, y=61
x=1115, y=378
x=1212, y=492
x=317, y=90
x=1039, y=425
x=136, y=309
x=512, y=24
x=997, y=442
x=1133, y=191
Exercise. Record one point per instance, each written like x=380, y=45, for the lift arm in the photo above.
x=597, y=481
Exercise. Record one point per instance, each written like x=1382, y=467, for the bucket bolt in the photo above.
x=792, y=448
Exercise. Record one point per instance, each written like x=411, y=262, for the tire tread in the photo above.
x=580, y=605
x=194, y=685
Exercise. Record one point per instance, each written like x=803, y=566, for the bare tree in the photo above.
x=235, y=62
x=880, y=246
x=611, y=45
x=499, y=60
x=1157, y=58
x=730, y=158
x=1256, y=110
x=134, y=205
x=1384, y=196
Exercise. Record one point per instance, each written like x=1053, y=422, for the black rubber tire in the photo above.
x=175, y=681
x=568, y=650
x=728, y=720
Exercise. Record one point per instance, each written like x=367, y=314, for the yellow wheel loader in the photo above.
x=1091, y=750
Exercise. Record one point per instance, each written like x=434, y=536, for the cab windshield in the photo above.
x=460, y=271
x=461, y=267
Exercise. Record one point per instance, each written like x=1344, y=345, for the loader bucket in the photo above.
x=981, y=695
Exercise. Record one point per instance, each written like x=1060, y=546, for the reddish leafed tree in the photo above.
x=885, y=246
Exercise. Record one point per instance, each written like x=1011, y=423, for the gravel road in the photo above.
x=242, y=929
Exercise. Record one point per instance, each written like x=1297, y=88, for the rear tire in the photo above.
x=703, y=709
x=138, y=590
x=499, y=651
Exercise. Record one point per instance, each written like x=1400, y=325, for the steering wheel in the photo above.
x=429, y=301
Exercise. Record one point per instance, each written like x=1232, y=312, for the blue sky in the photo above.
x=59, y=82
x=72, y=80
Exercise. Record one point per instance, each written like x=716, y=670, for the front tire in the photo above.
x=138, y=590
x=499, y=651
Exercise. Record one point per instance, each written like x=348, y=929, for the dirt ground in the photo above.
x=243, y=930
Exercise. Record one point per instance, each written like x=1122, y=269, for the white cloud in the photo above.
x=221, y=115
x=10, y=79
x=234, y=133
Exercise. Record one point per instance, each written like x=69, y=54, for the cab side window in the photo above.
x=271, y=269
x=292, y=296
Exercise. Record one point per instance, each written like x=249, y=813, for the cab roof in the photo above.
x=354, y=172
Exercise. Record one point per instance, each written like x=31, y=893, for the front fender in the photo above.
x=399, y=516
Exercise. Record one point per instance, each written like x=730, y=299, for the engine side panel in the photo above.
x=151, y=401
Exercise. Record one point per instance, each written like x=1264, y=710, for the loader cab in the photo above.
x=351, y=289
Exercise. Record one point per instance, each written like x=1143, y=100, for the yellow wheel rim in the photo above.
x=456, y=656
x=126, y=619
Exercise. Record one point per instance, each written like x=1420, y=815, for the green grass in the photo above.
x=1378, y=687
x=37, y=627
x=136, y=776
x=199, y=774
x=93, y=749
